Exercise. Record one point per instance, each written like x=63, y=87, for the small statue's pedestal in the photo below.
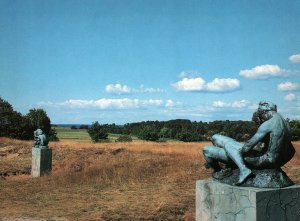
x=218, y=201
x=41, y=161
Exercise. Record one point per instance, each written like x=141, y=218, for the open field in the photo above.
x=107, y=181
x=64, y=133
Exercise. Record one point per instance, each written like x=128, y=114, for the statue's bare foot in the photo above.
x=244, y=174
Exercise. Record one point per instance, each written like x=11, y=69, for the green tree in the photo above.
x=12, y=123
x=165, y=132
x=97, y=132
x=295, y=129
x=38, y=118
x=148, y=133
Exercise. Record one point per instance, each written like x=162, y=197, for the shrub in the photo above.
x=97, y=132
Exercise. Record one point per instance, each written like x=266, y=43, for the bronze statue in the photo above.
x=40, y=139
x=269, y=148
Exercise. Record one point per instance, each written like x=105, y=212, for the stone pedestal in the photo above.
x=218, y=201
x=41, y=161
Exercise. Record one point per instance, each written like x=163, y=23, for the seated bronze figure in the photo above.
x=269, y=148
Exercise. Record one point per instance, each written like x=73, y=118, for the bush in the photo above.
x=97, y=132
x=124, y=138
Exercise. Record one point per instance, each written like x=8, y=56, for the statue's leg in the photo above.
x=233, y=150
x=213, y=155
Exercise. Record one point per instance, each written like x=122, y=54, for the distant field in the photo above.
x=70, y=134
x=65, y=133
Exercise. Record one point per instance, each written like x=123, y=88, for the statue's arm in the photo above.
x=262, y=131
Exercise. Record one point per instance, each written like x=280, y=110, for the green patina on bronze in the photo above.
x=259, y=158
x=41, y=155
x=40, y=139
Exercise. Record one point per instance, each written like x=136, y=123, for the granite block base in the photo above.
x=218, y=201
x=41, y=161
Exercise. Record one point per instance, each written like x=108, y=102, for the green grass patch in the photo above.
x=82, y=134
x=71, y=134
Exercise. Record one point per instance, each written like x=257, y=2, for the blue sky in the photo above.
x=119, y=61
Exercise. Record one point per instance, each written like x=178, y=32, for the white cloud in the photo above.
x=235, y=104
x=264, y=72
x=169, y=103
x=117, y=89
x=104, y=103
x=295, y=58
x=226, y=84
x=198, y=84
x=151, y=102
x=288, y=86
x=240, y=104
x=290, y=97
x=220, y=104
x=124, y=89
x=190, y=84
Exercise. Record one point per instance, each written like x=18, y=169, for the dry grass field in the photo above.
x=109, y=181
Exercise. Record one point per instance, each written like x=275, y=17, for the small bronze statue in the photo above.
x=269, y=149
x=40, y=139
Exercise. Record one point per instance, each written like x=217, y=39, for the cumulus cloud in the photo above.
x=235, y=104
x=295, y=58
x=264, y=72
x=290, y=97
x=190, y=84
x=104, y=103
x=288, y=86
x=199, y=84
x=226, y=84
x=117, y=89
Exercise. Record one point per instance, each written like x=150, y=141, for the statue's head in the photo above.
x=265, y=110
x=39, y=132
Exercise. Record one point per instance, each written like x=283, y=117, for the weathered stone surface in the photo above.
x=41, y=161
x=217, y=201
x=267, y=178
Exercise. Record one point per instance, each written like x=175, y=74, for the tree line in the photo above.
x=15, y=125
x=184, y=130
x=181, y=129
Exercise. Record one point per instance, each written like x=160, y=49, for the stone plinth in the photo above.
x=41, y=161
x=218, y=201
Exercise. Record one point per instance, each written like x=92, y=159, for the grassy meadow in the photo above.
x=106, y=181
x=65, y=133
